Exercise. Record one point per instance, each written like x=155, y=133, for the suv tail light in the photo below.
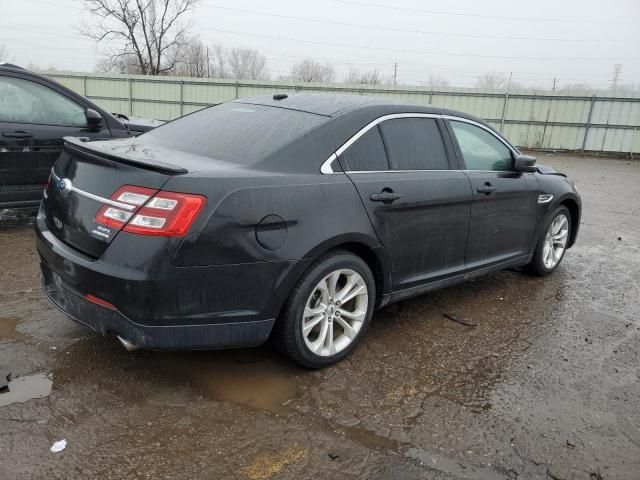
x=146, y=211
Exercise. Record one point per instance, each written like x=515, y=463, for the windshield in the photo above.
x=234, y=132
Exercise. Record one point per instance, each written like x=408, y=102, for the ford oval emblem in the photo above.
x=64, y=185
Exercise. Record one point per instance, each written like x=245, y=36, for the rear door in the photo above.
x=418, y=204
x=505, y=202
x=34, y=118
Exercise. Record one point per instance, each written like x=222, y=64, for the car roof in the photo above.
x=12, y=66
x=332, y=105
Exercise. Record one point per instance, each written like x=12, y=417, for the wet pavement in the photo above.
x=545, y=386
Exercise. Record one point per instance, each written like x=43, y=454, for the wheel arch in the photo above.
x=574, y=210
x=361, y=245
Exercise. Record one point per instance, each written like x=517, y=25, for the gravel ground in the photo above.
x=546, y=386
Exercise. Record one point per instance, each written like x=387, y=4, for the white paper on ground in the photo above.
x=59, y=446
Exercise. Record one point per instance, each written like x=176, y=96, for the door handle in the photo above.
x=18, y=134
x=386, y=196
x=487, y=188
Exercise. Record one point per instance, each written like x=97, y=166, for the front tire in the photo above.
x=552, y=243
x=328, y=311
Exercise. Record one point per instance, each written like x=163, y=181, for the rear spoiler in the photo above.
x=81, y=146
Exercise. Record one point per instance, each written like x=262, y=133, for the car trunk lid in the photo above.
x=85, y=178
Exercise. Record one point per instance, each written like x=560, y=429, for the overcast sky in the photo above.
x=577, y=41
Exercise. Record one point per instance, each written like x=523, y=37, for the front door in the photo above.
x=418, y=205
x=505, y=202
x=33, y=120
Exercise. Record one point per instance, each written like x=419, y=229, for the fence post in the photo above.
x=84, y=85
x=130, y=81
x=430, y=96
x=237, y=88
x=181, y=97
x=504, y=109
x=588, y=125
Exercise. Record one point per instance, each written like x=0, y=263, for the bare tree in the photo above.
x=437, y=81
x=309, y=70
x=4, y=53
x=491, y=81
x=246, y=63
x=218, y=61
x=122, y=64
x=147, y=31
x=370, y=77
x=191, y=59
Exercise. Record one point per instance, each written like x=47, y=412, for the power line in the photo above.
x=334, y=60
x=403, y=30
x=426, y=69
x=477, y=15
x=424, y=52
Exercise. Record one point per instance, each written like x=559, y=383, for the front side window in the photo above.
x=366, y=154
x=414, y=144
x=23, y=101
x=480, y=149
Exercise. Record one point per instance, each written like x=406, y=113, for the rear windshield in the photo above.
x=234, y=132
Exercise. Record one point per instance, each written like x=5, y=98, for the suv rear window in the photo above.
x=234, y=132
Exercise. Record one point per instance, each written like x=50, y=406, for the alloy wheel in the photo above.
x=335, y=312
x=555, y=241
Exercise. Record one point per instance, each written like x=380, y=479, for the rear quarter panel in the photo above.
x=302, y=213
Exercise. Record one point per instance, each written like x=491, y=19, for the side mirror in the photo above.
x=524, y=163
x=94, y=119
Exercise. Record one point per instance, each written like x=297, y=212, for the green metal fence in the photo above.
x=530, y=119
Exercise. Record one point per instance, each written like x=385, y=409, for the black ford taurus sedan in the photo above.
x=294, y=217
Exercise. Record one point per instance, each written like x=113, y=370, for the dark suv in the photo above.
x=36, y=112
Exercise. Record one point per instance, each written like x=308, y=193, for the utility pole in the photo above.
x=617, y=71
x=506, y=101
x=546, y=122
x=615, y=78
x=395, y=74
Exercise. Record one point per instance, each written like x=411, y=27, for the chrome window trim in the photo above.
x=484, y=127
x=326, y=169
x=91, y=196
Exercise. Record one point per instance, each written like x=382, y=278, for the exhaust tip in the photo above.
x=127, y=344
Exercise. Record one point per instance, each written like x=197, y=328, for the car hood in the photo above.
x=548, y=170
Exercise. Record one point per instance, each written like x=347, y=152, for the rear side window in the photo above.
x=414, y=144
x=234, y=132
x=366, y=154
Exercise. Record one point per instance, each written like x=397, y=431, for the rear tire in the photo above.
x=328, y=311
x=552, y=244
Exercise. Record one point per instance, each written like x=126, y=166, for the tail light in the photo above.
x=168, y=213
x=146, y=211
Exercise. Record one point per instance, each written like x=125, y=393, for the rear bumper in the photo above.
x=164, y=306
x=171, y=337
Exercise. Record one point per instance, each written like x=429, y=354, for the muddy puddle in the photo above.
x=26, y=388
x=8, y=328
x=253, y=379
x=257, y=378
